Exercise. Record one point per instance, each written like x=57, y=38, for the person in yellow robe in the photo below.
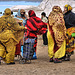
x=10, y=35
x=56, y=35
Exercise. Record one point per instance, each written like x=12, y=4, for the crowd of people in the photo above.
x=19, y=34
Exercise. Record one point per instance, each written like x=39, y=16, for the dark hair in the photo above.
x=11, y=12
x=43, y=13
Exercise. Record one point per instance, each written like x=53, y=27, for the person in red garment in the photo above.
x=35, y=26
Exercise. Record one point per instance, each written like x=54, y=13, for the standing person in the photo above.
x=44, y=19
x=56, y=35
x=21, y=15
x=10, y=35
x=35, y=26
x=69, y=18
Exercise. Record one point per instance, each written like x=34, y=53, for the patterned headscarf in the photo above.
x=57, y=9
x=69, y=8
x=18, y=13
x=31, y=13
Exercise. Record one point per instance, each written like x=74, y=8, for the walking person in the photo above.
x=35, y=26
x=10, y=35
x=56, y=35
x=69, y=18
x=21, y=15
x=44, y=19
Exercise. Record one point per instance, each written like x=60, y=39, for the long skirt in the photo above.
x=28, y=49
x=18, y=49
x=60, y=52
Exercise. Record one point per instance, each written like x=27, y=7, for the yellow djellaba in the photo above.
x=10, y=35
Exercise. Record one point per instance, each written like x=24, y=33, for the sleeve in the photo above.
x=16, y=26
x=45, y=20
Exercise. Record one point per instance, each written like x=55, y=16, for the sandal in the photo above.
x=57, y=61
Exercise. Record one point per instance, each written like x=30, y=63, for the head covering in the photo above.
x=20, y=18
x=43, y=13
x=18, y=14
x=35, y=26
x=57, y=25
x=57, y=9
x=31, y=13
x=69, y=8
x=22, y=10
x=7, y=12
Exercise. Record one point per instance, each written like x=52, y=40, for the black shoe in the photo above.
x=12, y=63
x=51, y=60
x=8, y=63
x=67, y=59
x=72, y=52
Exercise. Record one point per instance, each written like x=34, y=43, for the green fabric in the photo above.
x=73, y=34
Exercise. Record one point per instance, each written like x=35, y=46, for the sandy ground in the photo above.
x=41, y=66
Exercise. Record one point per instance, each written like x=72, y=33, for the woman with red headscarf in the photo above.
x=35, y=26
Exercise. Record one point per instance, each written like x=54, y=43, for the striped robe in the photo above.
x=35, y=26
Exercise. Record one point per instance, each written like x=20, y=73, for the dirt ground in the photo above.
x=41, y=66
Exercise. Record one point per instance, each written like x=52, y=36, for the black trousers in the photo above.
x=45, y=40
